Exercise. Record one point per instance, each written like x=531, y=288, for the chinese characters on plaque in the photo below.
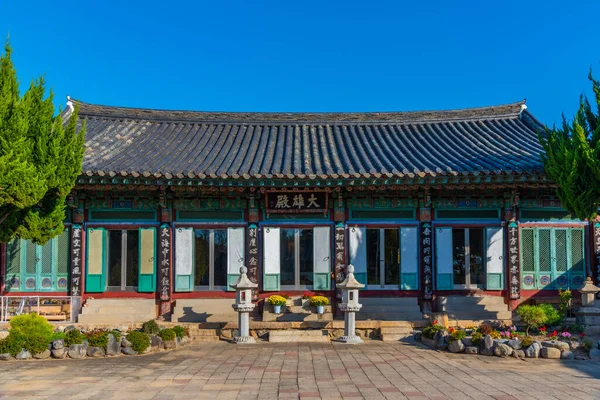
x=253, y=257
x=426, y=259
x=340, y=253
x=164, y=259
x=296, y=202
x=76, y=258
x=513, y=261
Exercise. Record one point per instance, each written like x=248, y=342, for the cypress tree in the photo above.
x=40, y=159
x=572, y=157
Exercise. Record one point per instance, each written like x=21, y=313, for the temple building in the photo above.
x=436, y=210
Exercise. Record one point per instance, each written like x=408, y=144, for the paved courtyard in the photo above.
x=275, y=371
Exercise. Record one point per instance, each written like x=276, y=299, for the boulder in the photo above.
x=456, y=346
x=440, y=338
x=43, y=355
x=58, y=344
x=178, y=341
x=113, y=346
x=574, y=345
x=123, y=329
x=59, y=353
x=471, y=350
x=5, y=357
x=156, y=343
x=125, y=342
x=567, y=355
x=23, y=355
x=550, y=352
x=78, y=350
x=95, y=352
x=60, y=328
x=514, y=343
x=556, y=344
x=500, y=341
x=170, y=344
x=69, y=328
x=518, y=354
x=533, y=351
x=416, y=335
x=594, y=354
x=3, y=334
x=128, y=350
x=468, y=341
x=487, y=346
x=502, y=350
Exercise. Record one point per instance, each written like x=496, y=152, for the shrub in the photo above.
x=527, y=341
x=139, y=341
x=74, y=336
x=587, y=345
x=150, y=327
x=12, y=344
x=458, y=335
x=565, y=302
x=319, y=301
x=476, y=338
x=485, y=329
x=179, y=331
x=31, y=324
x=167, y=334
x=532, y=316
x=431, y=330
x=553, y=317
x=36, y=344
x=58, y=335
x=276, y=300
x=97, y=338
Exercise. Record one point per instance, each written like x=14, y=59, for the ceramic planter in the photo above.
x=320, y=309
x=277, y=309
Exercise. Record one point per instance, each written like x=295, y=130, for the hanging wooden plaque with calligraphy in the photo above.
x=340, y=254
x=76, y=259
x=296, y=202
x=164, y=260
x=513, y=261
x=253, y=257
x=426, y=260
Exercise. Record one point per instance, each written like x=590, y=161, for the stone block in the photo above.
x=78, y=350
x=533, y=351
x=296, y=336
x=487, y=346
x=428, y=342
x=125, y=342
x=58, y=344
x=128, y=351
x=471, y=350
x=59, y=353
x=113, y=346
x=417, y=335
x=556, y=344
x=518, y=354
x=567, y=355
x=441, y=339
x=550, y=352
x=514, y=343
x=456, y=346
x=43, y=355
x=594, y=354
x=156, y=343
x=95, y=352
x=23, y=355
x=502, y=350
x=468, y=341
x=170, y=344
x=5, y=357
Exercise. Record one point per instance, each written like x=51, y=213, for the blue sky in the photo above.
x=309, y=55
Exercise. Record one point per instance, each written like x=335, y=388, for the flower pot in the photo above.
x=277, y=309
x=320, y=309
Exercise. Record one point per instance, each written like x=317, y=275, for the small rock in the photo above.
x=556, y=344
x=123, y=328
x=487, y=346
x=417, y=335
x=550, y=352
x=178, y=341
x=514, y=343
x=5, y=357
x=95, y=352
x=170, y=344
x=43, y=355
x=3, y=334
x=60, y=328
x=468, y=341
x=500, y=341
x=471, y=350
x=23, y=355
x=440, y=339
x=59, y=353
x=594, y=354
x=456, y=346
x=125, y=342
x=567, y=355
x=518, y=354
x=113, y=347
x=502, y=350
x=78, y=350
x=69, y=328
x=574, y=345
x=533, y=351
x=157, y=343
x=58, y=344
x=128, y=350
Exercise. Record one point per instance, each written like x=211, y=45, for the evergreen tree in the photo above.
x=572, y=157
x=40, y=158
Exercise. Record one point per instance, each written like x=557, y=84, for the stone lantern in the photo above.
x=589, y=314
x=350, y=306
x=243, y=306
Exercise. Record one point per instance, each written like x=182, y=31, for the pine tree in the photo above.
x=40, y=159
x=572, y=157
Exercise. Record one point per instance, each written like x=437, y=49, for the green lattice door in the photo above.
x=552, y=258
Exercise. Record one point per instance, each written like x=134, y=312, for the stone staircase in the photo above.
x=117, y=311
x=299, y=336
x=203, y=310
x=298, y=311
x=390, y=309
x=475, y=309
x=203, y=335
x=396, y=332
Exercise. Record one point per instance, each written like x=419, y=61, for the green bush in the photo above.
x=150, y=327
x=553, y=317
x=532, y=316
x=36, y=344
x=31, y=325
x=431, y=330
x=587, y=345
x=167, y=334
x=57, y=336
x=527, y=341
x=97, y=338
x=12, y=344
x=476, y=338
x=179, y=331
x=139, y=341
x=457, y=335
x=74, y=336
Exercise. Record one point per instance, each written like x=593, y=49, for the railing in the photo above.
x=53, y=308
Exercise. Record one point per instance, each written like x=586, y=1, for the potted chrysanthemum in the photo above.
x=320, y=302
x=276, y=301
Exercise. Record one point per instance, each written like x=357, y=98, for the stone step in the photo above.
x=480, y=300
x=120, y=302
x=201, y=318
x=205, y=339
x=478, y=315
x=204, y=332
x=475, y=308
x=114, y=309
x=296, y=317
x=113, y=319
x=396, y=329
x=388, y=308
x=295, y=336
x=391, y=316
x=395, y=337
x=203, y=310
x=394, y=301
x=303, y=310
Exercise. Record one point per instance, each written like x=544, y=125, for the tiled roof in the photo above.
x=141, y=142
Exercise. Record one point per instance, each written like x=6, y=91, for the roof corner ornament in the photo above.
x=70, y=104
x=524, y=106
